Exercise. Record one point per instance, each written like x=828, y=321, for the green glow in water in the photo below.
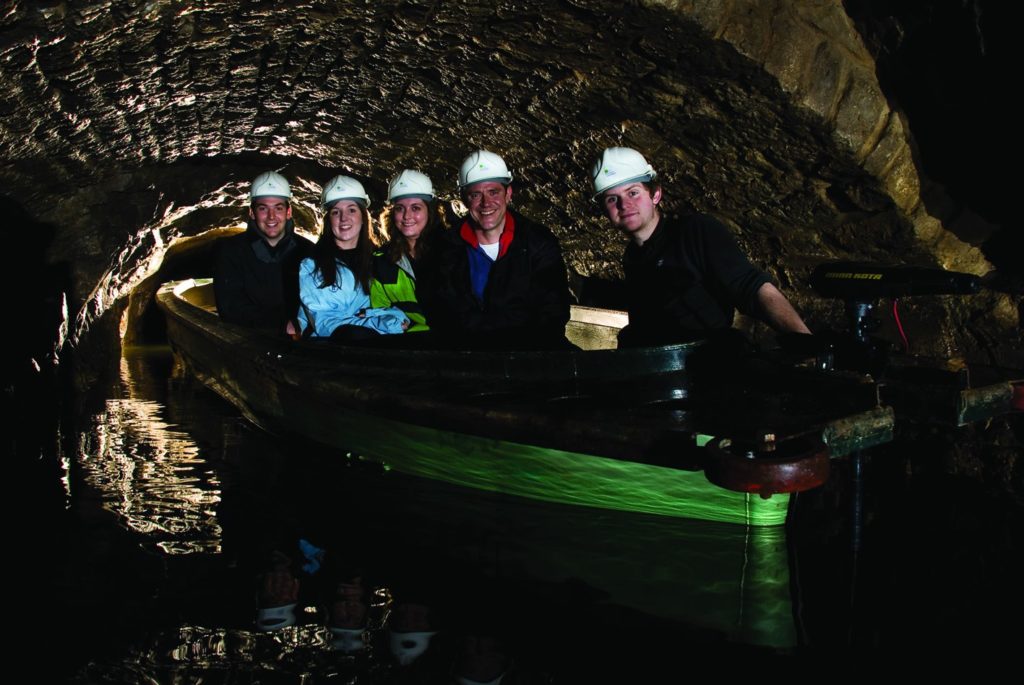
x=548, y=474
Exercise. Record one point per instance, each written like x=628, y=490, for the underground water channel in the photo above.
x=161, y=506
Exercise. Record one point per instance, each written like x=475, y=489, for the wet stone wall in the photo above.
x=126, y=126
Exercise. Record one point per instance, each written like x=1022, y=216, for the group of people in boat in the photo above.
x=494, y=279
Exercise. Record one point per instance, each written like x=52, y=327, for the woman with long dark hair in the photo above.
x=403, y=268
x=334, y=285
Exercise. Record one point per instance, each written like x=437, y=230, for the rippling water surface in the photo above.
x=170, y=507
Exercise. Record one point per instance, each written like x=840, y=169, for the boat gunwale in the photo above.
x=601, y=364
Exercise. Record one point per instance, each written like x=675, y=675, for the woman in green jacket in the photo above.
x=402, y=269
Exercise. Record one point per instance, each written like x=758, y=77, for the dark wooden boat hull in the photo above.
x=608, y=429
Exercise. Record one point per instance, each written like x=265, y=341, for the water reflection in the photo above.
x=151, y=474
x=217, y=655
x=551, y=593
x=423, y=581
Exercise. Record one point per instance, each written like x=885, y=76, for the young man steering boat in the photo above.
x=684, y=276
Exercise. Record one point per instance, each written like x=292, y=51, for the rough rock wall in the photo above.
x=129, y=124
x=819, y=59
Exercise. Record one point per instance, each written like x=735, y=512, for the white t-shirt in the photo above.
x=491, y=250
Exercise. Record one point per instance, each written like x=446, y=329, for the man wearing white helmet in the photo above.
x=256, y=277
x=684, y=277
x=505, y=279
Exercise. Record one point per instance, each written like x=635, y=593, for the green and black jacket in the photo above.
x=394, y=285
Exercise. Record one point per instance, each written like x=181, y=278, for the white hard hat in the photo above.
x=410, y=183
x=407, y=647
x=483, y=166
x=270, y=184
x=344, y=188
x=348, y=640
x=619, y=165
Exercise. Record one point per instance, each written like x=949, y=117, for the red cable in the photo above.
x=899, y=326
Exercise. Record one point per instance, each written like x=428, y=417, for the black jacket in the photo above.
x=525, y=303
x=685, y=282
x=258, y=285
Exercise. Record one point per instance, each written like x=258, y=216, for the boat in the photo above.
x=644, y=430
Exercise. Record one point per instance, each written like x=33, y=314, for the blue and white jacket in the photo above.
x=344, y=303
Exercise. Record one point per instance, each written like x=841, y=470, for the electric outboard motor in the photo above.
x=859, y=281
x=860, y=285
